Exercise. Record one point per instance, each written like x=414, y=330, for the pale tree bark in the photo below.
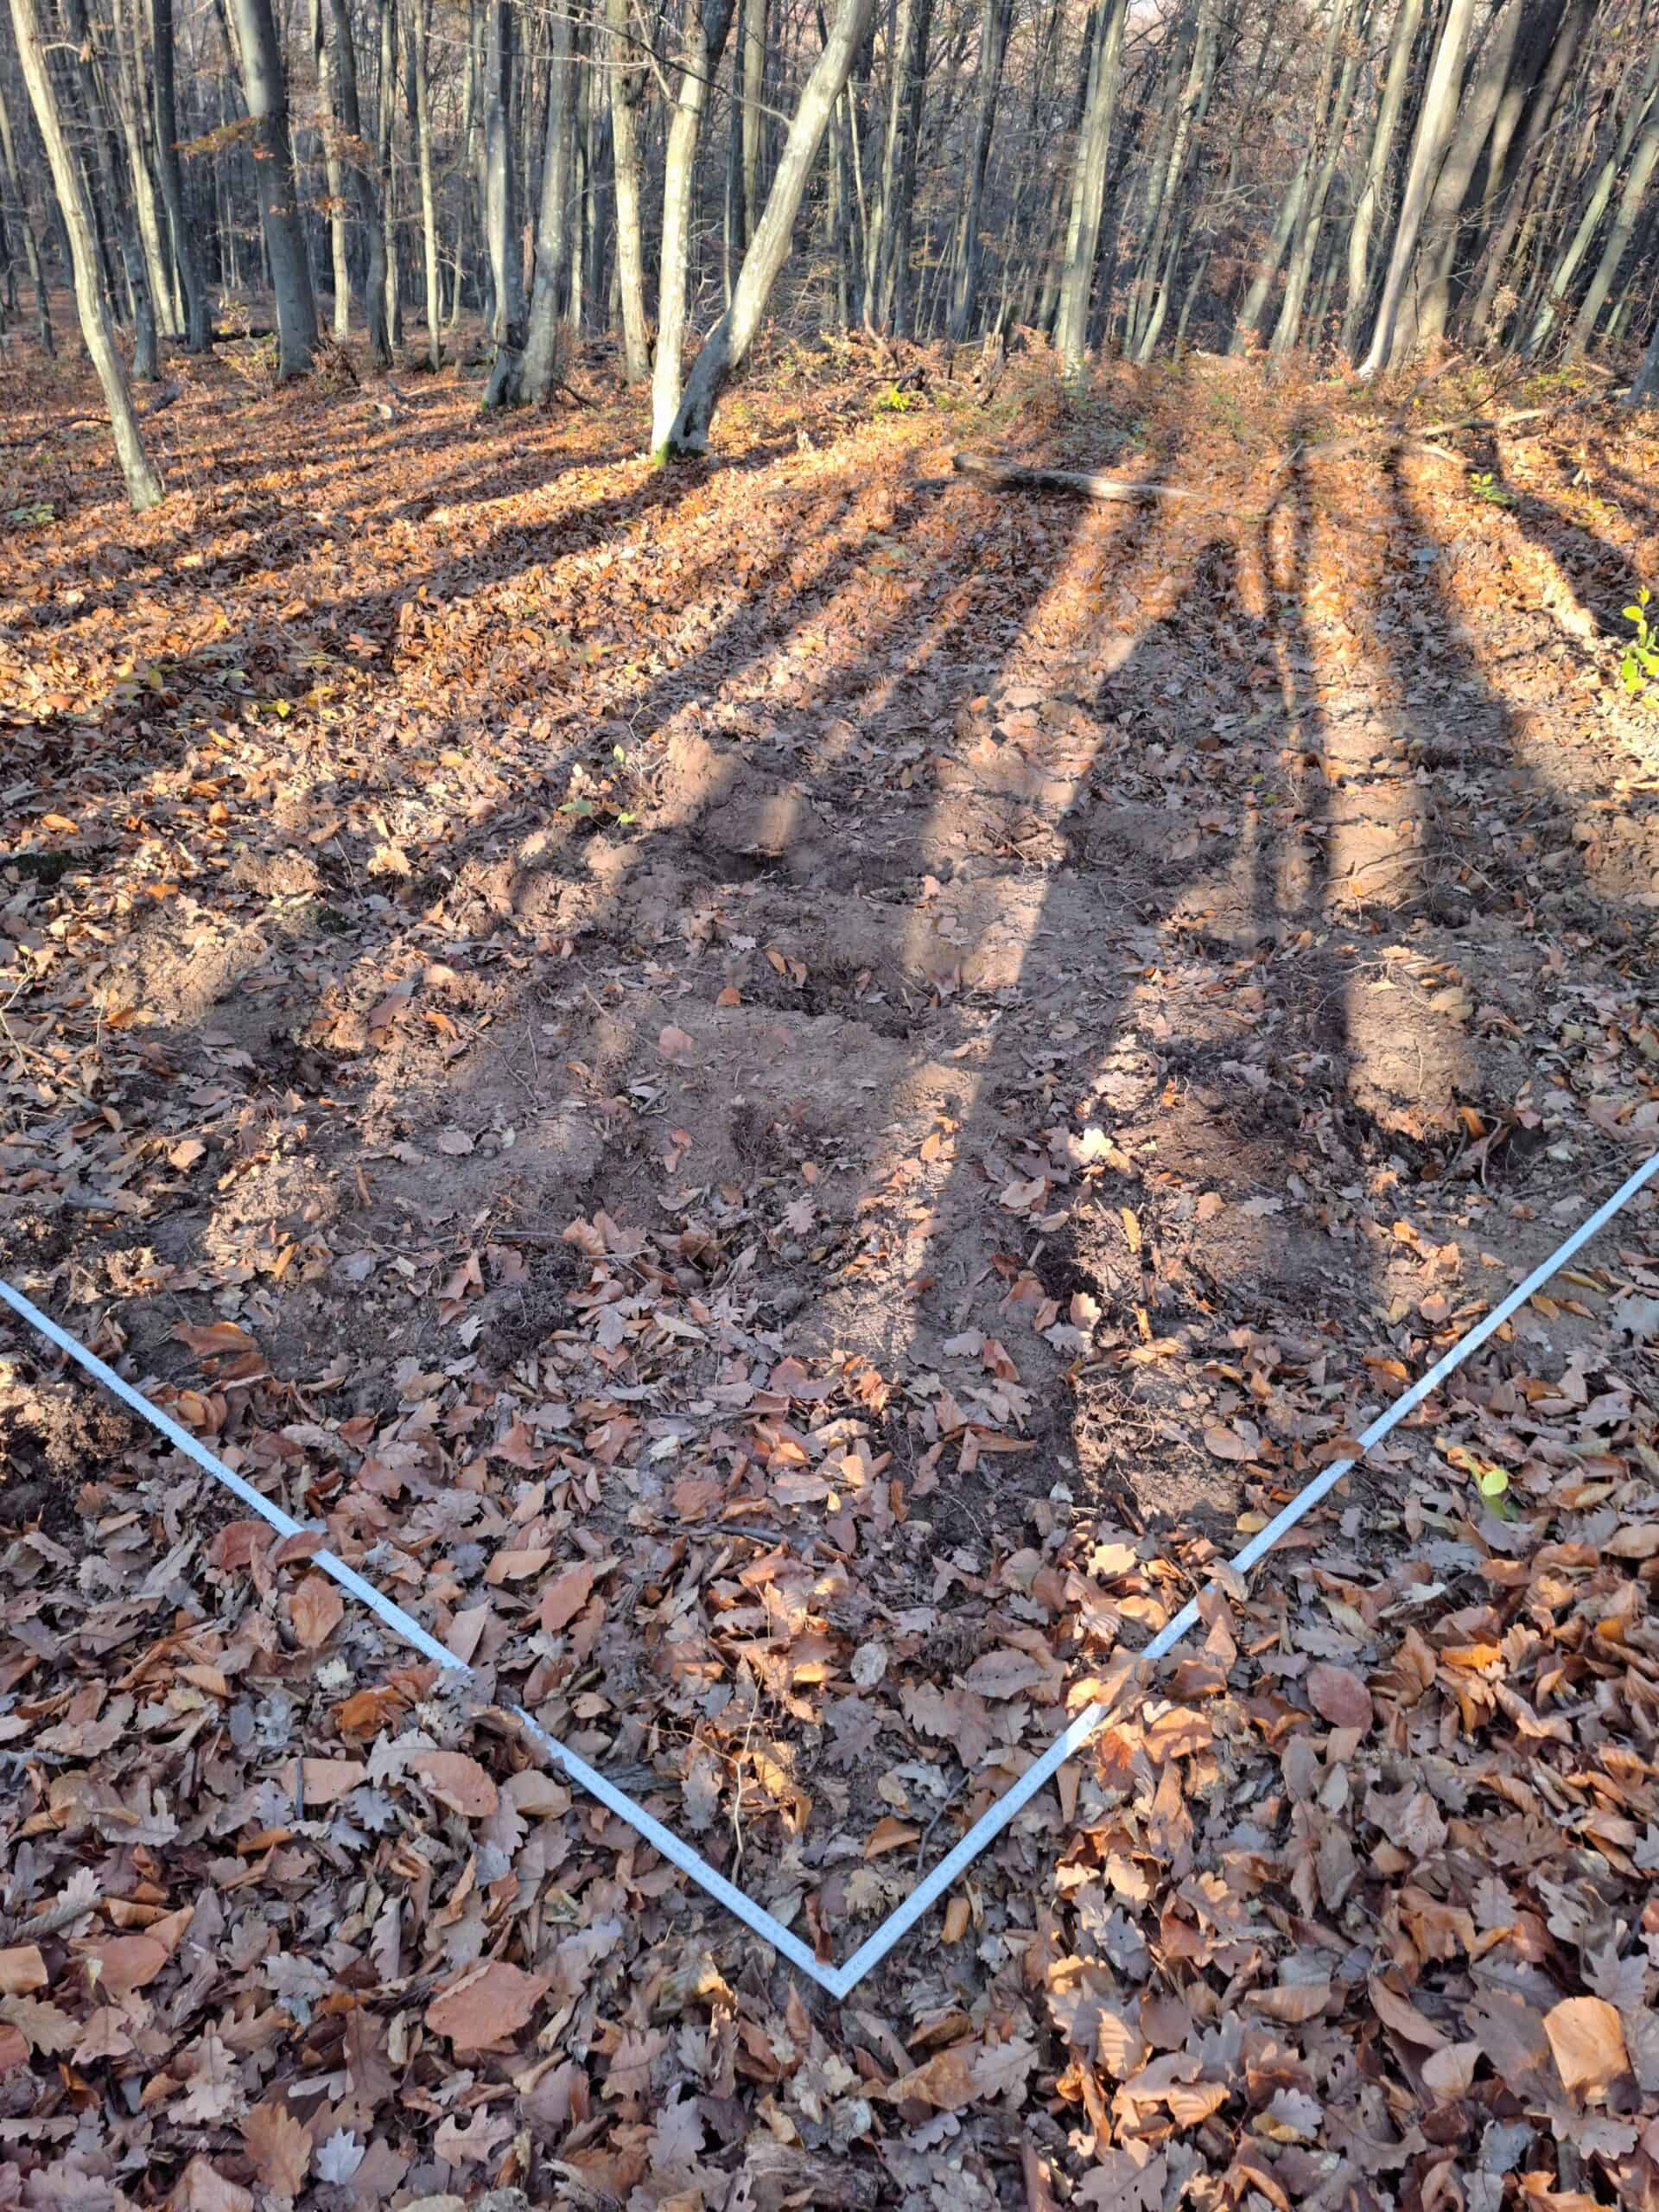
x=360, y=178
x=334, y=173
x=539, y=373
x=33, y=257
x=995, y=18
x=507, y=270
x=1425, y=313
x=1529, y=111
x=1374, y=183
x=264, y=88
x=1305, y=237
x=703, y=39
x=1553, y=305
x=143, y=484
x=1088, y=190
x=133, y=109
x=164, y=99
x=726, y=345
x=119, y=202
x=1436, y=121
x=419, y=31
x=1620, y=231
x=385, y=131
x=1164, y=242
x=753, y=48
x=627, y=95
x=897, y=307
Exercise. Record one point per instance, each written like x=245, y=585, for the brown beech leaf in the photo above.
x=458, y=1782
x=488, y=2005
x=1337, y=1695
x=564, y=1598
x=316, y=1609
x=1586, y=2038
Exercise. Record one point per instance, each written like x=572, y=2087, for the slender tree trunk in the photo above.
x=389, y=285
x=1552, y=306
x=265, y=89
x=1306, y=238
x=995, y=18
x=540, y=373
x=420, y=28
x=627, y=93
x=1374, y=183
x=197, y=333
x=1536, y=105
x=1620, y=231
x=1436, y=121
x=896, y=312
x=143, y=484
x=131, y=108
x=752, y=50
x=1088, y=190
x=91, y=86
x=726, y=345
x=357, y=177
x=707, y=22
x=333, y=174
x=878, y=297
x=506, y=268
x=32, y=254
x=1163, y=243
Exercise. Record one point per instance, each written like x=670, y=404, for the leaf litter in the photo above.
x=785, y=1098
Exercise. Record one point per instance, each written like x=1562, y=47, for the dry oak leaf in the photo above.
x=316, y=1609
x=279, y=2146
x=14, y=2048
x=488, y=2005
x=949, y=2081
x=1227, y=1443
x=1337, y=1695
x=1003, y=1673
x=458, y=1782
x=1587, y=2040
x=202, y=2188
x=675, y=1043
x=1177, y=1734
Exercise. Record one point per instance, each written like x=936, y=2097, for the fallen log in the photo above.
x=1015, y=476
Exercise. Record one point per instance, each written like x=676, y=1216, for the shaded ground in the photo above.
x=789, y=1094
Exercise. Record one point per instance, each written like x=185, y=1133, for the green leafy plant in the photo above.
x=31, y=513
x=597, y=802
x=894, y=402
x=1485, y=485
x=1638, y=664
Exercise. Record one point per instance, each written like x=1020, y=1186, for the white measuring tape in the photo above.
x=838, y=1980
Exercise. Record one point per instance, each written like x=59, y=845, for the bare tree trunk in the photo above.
x=131, y=108
x=539, y=373
x=143, y=484
x=1377, y=161
x=118, y=201
x=753, y=48
x=334, y=173
x=506, y=268
x=627, y=94
x=1552, y=306
x=1620, y=231
x=386, y=141
x=995, y=18
x=1089, y=189
x=1305, y=238
x=197, y=332
x=265, y=88
x=707, y=22
x=32, y=255
x=1535, y=107
x=726, y=345
x=1436, y=121
x=422, y=25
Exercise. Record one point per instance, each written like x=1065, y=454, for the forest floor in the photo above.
x=790, y=1095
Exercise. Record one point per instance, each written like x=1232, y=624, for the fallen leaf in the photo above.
x=1586, y=2039
x=488, y=2005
